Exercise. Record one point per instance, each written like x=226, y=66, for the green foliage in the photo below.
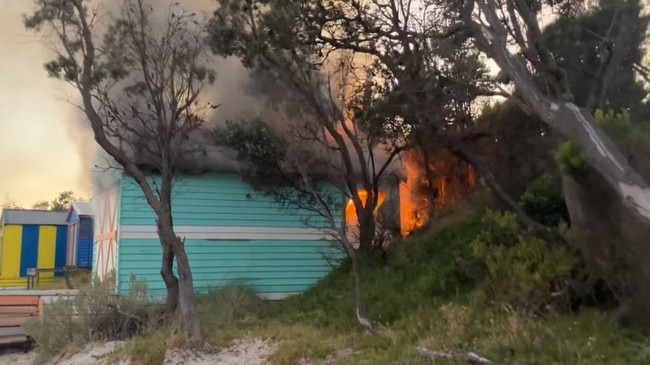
x=229, y=305
x=260, y=148
x=520, y=269
x=9, y=203
x=258, y=145
x=619, y=126
x=506, y=335
x=544, y=202
x=285, y=29
x=616, y=125
x=41, y=205
x=579, y=53
x=94, y=314
x=570, y=157
x=430, y=267
x=426, y=298
x=61, y=203
x=147, y=349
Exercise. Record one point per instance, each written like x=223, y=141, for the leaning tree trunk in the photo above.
x=628, y=190
x=563, y=116
x=186, y=293
x=613, y=243
x=170, y=280
x=186, y=298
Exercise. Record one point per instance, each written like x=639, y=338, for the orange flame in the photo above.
x=445, y=181
x=351, y=211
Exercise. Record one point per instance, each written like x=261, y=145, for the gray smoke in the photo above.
x=198, y=153
x=285, y=112
x=241, y=96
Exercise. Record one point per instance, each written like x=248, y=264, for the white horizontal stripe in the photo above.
x=228, y=233
x=275, y=296
x=263, y=296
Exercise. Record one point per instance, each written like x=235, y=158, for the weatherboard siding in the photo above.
x=211, y=200
x=232, y=234
x=265, y=266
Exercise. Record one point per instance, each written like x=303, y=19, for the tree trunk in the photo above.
x=367, y=226
x=629, y=193
x=186, y=299
x=613, y=242
x=358, y=291
x=568, y=119
x=530, y=225
x=171, y=281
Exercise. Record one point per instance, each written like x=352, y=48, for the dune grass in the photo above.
x=423, y=294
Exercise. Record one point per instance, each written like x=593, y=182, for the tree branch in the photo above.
x=470, y=357
x=530, y=225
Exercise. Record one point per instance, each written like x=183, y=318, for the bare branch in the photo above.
x=470, y=357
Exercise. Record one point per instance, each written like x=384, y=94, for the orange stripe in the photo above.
x=105, y=236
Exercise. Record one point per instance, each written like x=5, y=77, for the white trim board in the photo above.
x=263, y=296
x=229, y=233
x=275, y=296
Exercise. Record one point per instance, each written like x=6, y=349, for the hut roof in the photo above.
x=83, y=208
x=29, y=216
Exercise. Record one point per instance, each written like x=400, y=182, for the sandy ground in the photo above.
x=240, y=352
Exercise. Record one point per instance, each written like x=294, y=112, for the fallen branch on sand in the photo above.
x=470, y=357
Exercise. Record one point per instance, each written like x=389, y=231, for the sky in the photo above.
x=43, y=148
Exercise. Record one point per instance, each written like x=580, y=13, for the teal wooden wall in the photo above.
x=232, y=234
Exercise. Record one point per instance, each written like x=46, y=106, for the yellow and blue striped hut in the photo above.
x=31, y=239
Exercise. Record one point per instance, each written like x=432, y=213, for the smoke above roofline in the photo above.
x=242, y=95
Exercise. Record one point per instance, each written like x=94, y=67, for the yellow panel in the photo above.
x=46, y=249
x=11, y=246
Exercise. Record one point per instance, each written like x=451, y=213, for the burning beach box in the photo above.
x=232, y=234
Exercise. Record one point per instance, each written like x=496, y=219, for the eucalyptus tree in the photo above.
x=139, y=83
x=325, y=98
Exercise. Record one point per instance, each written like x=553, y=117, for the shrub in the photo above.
x=570, y=158
x=430, y=266
x=519, y=269
x=228, y=305
x=544, y=202
x=94, y=314
x=148, y=349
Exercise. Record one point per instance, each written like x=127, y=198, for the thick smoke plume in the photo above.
x=199, y=154
x=241, y=96
x=286, y=114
